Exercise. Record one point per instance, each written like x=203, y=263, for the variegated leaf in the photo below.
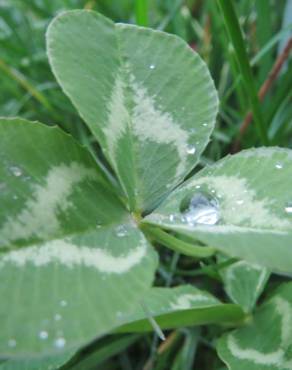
x=166, y=306
x=241, y=206
x=244, y=282
x=147, y=97
x=265, y=343
x=72, y=261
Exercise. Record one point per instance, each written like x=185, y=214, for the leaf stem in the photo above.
x=178, y=245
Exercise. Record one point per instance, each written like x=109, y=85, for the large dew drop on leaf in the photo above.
x=245, y=212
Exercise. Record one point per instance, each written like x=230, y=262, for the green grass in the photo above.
x=240, y=44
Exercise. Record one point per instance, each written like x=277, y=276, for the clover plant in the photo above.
x=77, y=239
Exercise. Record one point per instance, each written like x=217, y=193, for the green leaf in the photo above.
x=265, y=343
x=72, y=261
x=244, y=282
x=43, y=363
x=181, y=306
x=242, y=207
x=152, y=118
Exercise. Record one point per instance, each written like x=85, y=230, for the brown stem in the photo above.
x=272, y=76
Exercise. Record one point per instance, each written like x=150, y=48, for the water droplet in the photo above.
x=60, y=342
x=198, y=186
x=200, y=209
x=16, y=171
x=57, y=317
x=239, y=202
x=152, y=66
x=191, y=149
x=171, y=218
x=288, y=208
x=43, y=334
x=12, y=343
x=121, y=231
x=279, y=166
x=15, y=197
x=205, y=124
x=63, y=303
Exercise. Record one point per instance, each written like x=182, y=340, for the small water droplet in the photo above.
x=191, y=149
x=57, y=317
x=15, y=197
x=200, y=209
x=63, y=303
x=43, y=334
x=60, y=342
x=12, y=343
x=152, y=66
x=198, y=186
x=288, y=208
x=205, y=124
x=279, y=166
x=171, y=217
x=16, y=171
x=239, y=202
x=121, y=231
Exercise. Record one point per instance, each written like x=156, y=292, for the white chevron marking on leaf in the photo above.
x=39, y=216
x=185, y=301
x=150, y=123
x=277, y=357
x=68, y=254
x=118, y=118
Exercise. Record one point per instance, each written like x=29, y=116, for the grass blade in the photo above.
x=141, y=10
x=235, y=34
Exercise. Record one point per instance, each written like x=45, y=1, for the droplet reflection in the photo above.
x=191, y=149
x=16, y=171
x=200, y=209
x=288, y=208
x=60, y=342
